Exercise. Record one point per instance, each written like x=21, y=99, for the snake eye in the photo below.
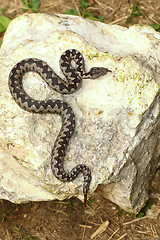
x=94, y=71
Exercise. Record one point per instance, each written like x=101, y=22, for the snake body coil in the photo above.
x=74, y=75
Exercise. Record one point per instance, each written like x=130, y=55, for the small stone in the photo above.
x=154, y=212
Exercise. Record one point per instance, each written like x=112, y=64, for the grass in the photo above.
x=141, y=214
x=4, y=22
x=32, y=5
x=24, y=235
x=2, y=217
x=85, y=12
x=156, y=26
x=135, y=12
x=143, y=211
x=138, y=11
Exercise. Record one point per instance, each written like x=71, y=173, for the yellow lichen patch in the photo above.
x=100, y=112
x=137, y=83
x=92, y=147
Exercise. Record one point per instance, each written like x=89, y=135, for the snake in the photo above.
x=72, y=66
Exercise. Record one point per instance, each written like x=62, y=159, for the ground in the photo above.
x=68, y=220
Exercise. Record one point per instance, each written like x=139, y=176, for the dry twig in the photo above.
x=122, y=236
x=135, y=220
x=89, y=217
x=100, y=230
x=113, y=233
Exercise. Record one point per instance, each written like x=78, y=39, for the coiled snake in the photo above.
x=74, y=75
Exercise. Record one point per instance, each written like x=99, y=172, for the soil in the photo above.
x=68, y=220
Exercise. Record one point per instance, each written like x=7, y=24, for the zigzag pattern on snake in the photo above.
x=74, y=74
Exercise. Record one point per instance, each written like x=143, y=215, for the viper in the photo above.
x=72, y=66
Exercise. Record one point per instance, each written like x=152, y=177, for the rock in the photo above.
x=154, y=212
x=154, y=196
x=117, y=116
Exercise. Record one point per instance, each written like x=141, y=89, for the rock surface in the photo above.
x=117, y=116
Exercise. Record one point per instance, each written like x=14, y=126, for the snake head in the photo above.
x=96, y=72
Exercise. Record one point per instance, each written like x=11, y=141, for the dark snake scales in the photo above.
x=74, y=74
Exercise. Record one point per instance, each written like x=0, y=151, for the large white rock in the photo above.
x=117, y=116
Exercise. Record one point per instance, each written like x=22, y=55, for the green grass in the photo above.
x=2, y=217
x=2, y=10
x=4, y=22
x=31, y=5
x=156, y=26
x=84, y=5
x=136, y=12
x=142, y=213
x=24, y=235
